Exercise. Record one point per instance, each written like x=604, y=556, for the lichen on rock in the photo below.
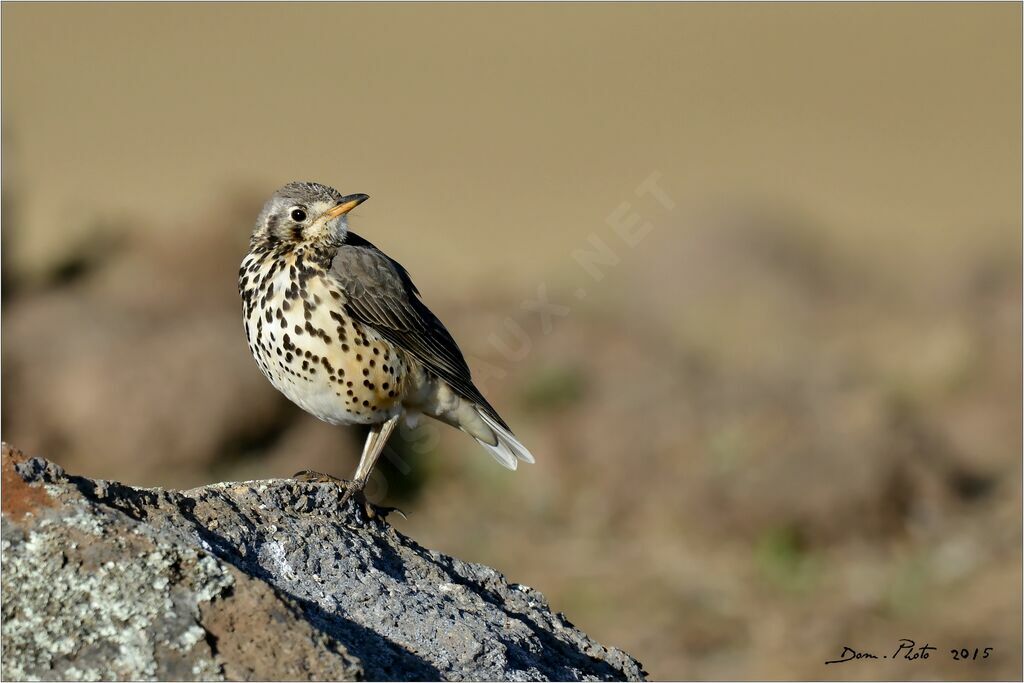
x=256, y=580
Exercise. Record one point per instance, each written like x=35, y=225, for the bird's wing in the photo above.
x=381, y=295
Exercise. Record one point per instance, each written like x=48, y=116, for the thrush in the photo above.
x=339, y=328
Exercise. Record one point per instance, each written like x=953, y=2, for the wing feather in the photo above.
x=381, y=295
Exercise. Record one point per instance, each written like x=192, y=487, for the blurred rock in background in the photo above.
x=787, y=418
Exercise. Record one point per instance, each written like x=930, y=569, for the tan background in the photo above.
x=788, y=419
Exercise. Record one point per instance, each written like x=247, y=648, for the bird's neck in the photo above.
x=316, y=252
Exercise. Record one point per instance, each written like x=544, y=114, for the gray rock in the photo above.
x=256, y=580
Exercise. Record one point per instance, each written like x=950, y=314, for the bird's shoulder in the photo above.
x=380, y=293
x=362, y=268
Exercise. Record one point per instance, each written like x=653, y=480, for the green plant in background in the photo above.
x=406, y=464
x=728, y=447
x=906, y=591
x=553, y=388
x=784, y=560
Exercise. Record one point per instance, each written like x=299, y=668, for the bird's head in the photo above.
x=306, y=213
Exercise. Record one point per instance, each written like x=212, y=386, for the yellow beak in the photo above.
x=346, y=204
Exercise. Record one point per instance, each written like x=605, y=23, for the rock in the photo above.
x=256, y=580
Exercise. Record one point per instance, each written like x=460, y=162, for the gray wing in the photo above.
x=381, y=295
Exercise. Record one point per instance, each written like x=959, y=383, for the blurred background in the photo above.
x=778, y=413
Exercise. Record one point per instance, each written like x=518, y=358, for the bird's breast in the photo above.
x=310, y=349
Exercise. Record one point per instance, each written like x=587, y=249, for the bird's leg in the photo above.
x=375, y=442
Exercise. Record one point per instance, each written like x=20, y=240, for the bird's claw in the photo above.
x=352, y=489
x=382, y=511
x=318, y=477
x=371, y=511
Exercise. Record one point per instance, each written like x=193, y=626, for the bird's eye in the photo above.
x=298, y=215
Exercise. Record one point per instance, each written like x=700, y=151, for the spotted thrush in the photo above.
x=338, y=327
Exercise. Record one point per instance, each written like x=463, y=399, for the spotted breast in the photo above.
x=330, y=365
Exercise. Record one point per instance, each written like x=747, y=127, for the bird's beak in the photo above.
x=346, y=204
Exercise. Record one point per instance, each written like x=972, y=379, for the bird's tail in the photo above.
x=507, y=450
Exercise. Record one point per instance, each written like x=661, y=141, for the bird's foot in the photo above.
x=353, y=489
x=319, y=478
x=381, y=512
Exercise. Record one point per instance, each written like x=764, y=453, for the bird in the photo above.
x=339, y=328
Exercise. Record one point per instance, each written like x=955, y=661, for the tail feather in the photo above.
x=507, y=451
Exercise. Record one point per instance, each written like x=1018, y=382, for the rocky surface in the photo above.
x=256, y=580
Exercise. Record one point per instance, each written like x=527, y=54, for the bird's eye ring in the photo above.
x=298, y=215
